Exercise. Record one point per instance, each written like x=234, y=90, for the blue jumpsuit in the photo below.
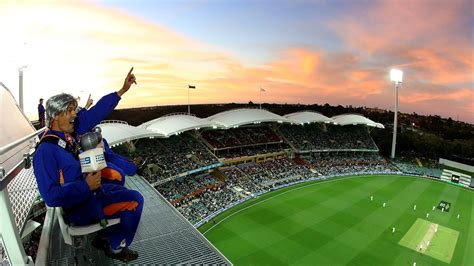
x=88, y=119
x=62, y=184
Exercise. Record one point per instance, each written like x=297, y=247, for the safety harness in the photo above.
x=74, y=149
x=56, y=140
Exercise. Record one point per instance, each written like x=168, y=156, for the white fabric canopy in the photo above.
x=304, y=117
x=176, y=123
x=355, y=119
x=116, y=133
x=238, y=117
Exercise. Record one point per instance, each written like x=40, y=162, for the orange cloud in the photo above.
x=78, y=47
x=455, y=95
x=423, y=39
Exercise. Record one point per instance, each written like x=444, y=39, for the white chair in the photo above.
x=70, y=231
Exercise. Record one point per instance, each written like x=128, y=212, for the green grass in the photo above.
x=334, y=223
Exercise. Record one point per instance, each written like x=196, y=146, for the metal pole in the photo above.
x=20, y=88
x=9, y=234
x=394, y=139
x=189, y=108
x=260, y=98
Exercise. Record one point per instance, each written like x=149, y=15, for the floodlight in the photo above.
x=396, y=75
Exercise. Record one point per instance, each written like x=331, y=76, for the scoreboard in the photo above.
x=457, y=178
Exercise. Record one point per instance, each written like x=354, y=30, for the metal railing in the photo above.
x=12, y=243
x=114, y=122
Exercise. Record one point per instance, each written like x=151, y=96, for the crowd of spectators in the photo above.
x=276, y=172
x=172, y=156
x=236, y=178
x=312, y=137
x=349, y=163
x=239, y=137
x=197, y=208
x=183, y=187
x=198, y=196
x=251, y=150
x=408, y=166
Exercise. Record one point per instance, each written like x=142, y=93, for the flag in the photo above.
x=191, y=87
x=262, y=89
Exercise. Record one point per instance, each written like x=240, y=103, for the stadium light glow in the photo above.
x=396, y=75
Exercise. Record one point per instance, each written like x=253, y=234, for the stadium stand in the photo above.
x=172, y=156
x=317, y=137
x=238, y=137
x=328, y=164
x=408, y=167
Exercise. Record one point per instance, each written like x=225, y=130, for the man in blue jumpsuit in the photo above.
x=62, y=184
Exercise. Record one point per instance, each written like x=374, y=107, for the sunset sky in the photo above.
x=333, y=51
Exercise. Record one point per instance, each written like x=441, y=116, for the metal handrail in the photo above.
x=16, y=143
x=178, y=113
x=114, y=122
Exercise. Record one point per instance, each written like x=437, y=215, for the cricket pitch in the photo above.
x=431, y=239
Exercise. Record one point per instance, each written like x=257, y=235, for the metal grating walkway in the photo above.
x=23, y=191
x=164, y=237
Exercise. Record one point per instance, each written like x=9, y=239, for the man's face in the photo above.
x=65, y=120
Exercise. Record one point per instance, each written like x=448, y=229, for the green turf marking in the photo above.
x=444, y=206
x=441, y=243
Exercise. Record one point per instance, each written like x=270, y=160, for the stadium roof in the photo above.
x=355, y=119
x=244, y=116
x=117, y=132
x=15, y=126
x=303, y=117
x=176, y=123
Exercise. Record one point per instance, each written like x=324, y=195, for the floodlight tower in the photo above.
x=397, y=77
x=20, y=86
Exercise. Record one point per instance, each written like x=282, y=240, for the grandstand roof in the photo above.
x=117, y=132
x=245, y=116
x=15, y=126
x=309, y=117
x=355, y=119
x=176, y=123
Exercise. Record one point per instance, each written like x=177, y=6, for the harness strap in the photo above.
x=56, y=140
